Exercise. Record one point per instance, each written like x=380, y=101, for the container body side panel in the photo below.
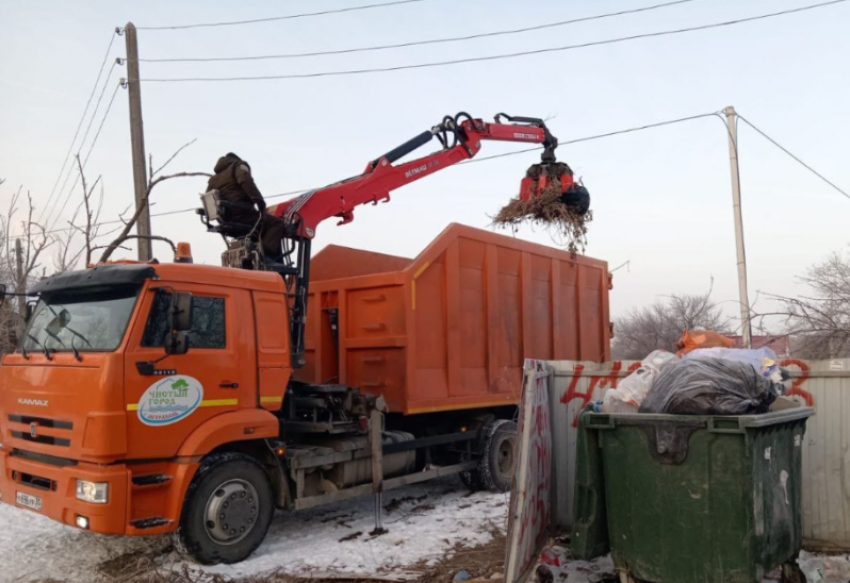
x=373, y=341
x=431, y=361
x=473, y=314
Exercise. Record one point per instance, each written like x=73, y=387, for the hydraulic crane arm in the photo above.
x=461, y=137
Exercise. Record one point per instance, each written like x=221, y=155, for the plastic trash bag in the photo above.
x=755, y=357
x=709, y=386
x=693, y=339
x=632, y=390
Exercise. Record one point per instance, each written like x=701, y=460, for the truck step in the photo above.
x=152, y=522
x=151, y=479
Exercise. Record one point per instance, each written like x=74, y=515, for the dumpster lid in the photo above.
x=723, y=423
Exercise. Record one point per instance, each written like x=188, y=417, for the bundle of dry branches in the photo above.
x=548, y=210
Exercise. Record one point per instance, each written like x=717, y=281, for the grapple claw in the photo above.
x=549, y=196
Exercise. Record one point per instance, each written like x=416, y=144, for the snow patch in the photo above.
x=424, y=521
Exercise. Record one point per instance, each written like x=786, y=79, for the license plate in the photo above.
x=28, y=500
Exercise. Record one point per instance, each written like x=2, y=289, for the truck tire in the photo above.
x=498, y=457
x=227, y=510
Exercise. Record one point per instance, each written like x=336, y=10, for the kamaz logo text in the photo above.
x=525, y=136
x=33, y=402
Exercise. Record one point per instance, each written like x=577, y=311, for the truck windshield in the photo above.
x=86, y=320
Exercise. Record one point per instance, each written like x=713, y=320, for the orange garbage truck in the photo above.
x=147, y=398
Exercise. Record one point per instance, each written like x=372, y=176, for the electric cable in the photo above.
x=523, y=151
x=275, y=18
x=418, y=43
x=494, y=57
x=79, y=126
x=795, y=158
x=46, y=218
x=88, y=153
x=477, y=159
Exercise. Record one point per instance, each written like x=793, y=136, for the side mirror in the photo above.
x=181, y=311
x=178, y=343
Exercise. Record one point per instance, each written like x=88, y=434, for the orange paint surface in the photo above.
x=451, y=328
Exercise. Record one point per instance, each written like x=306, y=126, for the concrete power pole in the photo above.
x=743, y=294
x=137, y=140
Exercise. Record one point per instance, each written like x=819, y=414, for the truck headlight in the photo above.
x=95, y=492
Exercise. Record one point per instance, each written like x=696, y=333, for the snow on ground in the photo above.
x=425, y=522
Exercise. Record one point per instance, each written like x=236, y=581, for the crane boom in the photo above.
x=461, y=137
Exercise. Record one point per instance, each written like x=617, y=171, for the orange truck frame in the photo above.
x=147, y=398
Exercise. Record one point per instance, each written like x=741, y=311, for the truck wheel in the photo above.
x=227, y=510
x=498, y=458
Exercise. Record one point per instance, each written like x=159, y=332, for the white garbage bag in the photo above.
x=632, y=390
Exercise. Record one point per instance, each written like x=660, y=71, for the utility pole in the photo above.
x=137, y=140
x=743, y=294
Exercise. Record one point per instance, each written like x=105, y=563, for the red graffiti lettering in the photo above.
x=797, y=386
x=537, y=484
x=609, y=379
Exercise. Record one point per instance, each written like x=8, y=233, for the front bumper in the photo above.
x=55, y=485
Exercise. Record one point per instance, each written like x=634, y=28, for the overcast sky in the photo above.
x=661, y=198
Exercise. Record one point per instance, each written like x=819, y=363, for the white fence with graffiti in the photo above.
x=531, y=496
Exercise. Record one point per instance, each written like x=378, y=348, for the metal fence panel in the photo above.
x=575, y=384
x=826, y=459
x=530, y=515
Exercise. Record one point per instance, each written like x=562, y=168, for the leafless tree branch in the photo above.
x=128, y=225
x=173, y=156
x=661, y=324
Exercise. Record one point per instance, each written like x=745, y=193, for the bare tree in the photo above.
x=660, y=325
x=21, y=253
x=819, y=321
x=88, y=226
x=153, y=179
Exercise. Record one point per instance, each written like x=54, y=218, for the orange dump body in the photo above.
x=451, y=328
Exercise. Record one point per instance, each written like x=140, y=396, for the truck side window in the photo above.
x=208, y=330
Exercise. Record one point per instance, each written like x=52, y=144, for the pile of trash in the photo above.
x=706, y=377
x=566, y=213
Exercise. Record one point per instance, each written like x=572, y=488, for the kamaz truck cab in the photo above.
x=127, y=376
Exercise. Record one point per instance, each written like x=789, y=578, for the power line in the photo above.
x=82, y=142
x=86, y=159
x=274, y=18
x=419, y=43
x=595, y=137
x=471, y=160
x=523, y=151
x=495, y=57
x=79, y=125
x=798, y=160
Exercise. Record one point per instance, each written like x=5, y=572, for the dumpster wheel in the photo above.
x=792, y=573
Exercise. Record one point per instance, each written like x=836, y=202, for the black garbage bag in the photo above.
x=709, y=386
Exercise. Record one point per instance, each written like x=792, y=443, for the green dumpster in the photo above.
x=690, y=499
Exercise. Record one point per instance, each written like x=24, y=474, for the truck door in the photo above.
x=218, y=373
